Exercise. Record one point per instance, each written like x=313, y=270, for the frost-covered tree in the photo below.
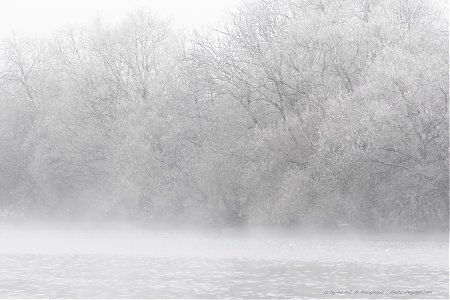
x=292, y=112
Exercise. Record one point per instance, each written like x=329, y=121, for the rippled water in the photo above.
x=225, y=268
x=96, y=276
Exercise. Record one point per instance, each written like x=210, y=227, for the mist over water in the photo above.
x=251, y=243
x=87, y=261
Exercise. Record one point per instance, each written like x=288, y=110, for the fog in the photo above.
x=44, y=18
x=251, y=243
x=224, y=149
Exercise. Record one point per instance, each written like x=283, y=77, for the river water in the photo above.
x=130, y=265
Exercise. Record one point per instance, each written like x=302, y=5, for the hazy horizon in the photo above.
x=45, y=18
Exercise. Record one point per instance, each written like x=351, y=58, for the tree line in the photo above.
x=290, y=112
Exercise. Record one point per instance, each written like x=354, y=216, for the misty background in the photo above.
x=308, y=114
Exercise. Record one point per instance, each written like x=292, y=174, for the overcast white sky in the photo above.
x=42, y=17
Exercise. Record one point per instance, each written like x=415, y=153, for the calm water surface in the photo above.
x=280, y=268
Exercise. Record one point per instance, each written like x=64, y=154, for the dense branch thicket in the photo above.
x=293, y=112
